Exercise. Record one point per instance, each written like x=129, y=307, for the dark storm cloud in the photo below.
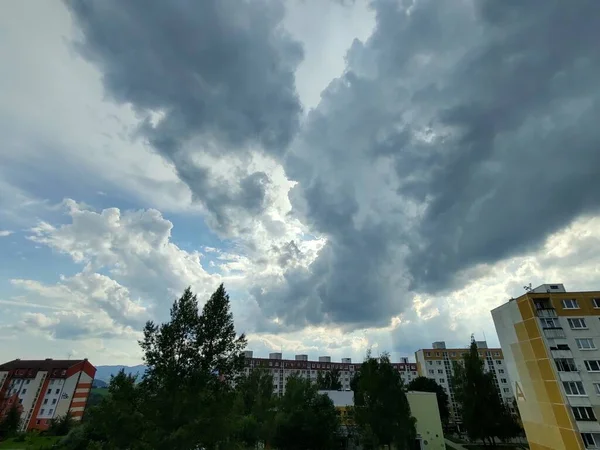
x=460, y=133
x=222, y=69
x=486, y=111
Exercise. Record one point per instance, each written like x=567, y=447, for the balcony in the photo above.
x=546, y=312
x=554, y=333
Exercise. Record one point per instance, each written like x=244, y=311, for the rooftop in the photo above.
x=40, y=364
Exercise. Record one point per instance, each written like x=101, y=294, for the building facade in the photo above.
x=437, y=363
x=551, y=342
x=281, y=368
x=45, y=389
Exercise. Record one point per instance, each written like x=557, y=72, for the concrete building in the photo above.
x=437, y=363
x=281, y=368
x=45, y=389
x=551, y=342
x=423, y=407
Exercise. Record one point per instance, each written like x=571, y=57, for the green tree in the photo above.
x=305, y=420
x=330, y=380
x=192, y=360
x=381, y=409
x=60, y=426
x=424, y=384
x=256, y=408
x=117, y=422
x=484, y=415
x=9, y=425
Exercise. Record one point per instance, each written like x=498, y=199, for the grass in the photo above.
x=30, y=443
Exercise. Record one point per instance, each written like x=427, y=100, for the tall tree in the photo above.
x=306, y=420
x=191, y=360
x=256, y=407
x=381, y=409
x=11, y=422
x=484, y=416
x=329, y=380
x=424, y=384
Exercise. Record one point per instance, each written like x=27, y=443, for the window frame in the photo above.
x=573, y=301
x=587, y=365
x=596, y=302
x=588, y=340
x=579, y=390
x=580, y=417
x=581, y=320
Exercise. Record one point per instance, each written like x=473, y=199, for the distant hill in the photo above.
x=104, y=372
x=99, y=384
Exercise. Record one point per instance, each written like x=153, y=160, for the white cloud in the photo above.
x=5, y=233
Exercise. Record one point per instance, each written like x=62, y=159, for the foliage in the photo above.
x=381, y=409
x=60, y=426
x=9, y=425
x=255, y=405
x=424, y=384
x=186, y=398
x=484, y=415
x=305, y=419
x=329, y=380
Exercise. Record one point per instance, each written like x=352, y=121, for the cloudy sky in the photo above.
x=360, y=174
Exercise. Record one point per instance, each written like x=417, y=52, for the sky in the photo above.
x=359, y=174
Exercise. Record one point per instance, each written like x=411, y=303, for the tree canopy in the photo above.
x=381, y=409
x=329, y=380
x=484, y=414
x=306, y=420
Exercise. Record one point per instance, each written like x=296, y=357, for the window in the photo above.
x=574, y=387
x=54, y=401
x=550, y=322
x=596, y=302
x=506, y=390
x=440, y=371
x=51, y=411
x=562, y=347
x=27, y=382
x=592, y=365
x=20, y=401
x=585, y=344
x=437, y=354
x=498, y=361
x=42, y=411
x=570, y=303
x=57, y=391
x=439, y=363
x=49, y=391
x=427, y=353
x=430, y=363
x=503, y=380
x=24, y=391
x=567, y=365
x=577, y=324
x=584, y=413
x=431, y=371
x=453, y=354
x=500, y=370
x=588, y=440
x=597, y=387
x=496, y=353
x=442, y=380
x=45, y=401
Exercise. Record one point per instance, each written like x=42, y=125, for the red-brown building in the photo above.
x=45, y=389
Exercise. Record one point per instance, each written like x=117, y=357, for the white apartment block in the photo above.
x=281, y=368
x=436, y=363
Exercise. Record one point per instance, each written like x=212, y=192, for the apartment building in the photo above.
x=281, y=368
x=551, y=342
x=45, y=389
x=437, y=363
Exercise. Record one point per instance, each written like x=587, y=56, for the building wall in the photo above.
x=547, y=420
x=424, y=408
